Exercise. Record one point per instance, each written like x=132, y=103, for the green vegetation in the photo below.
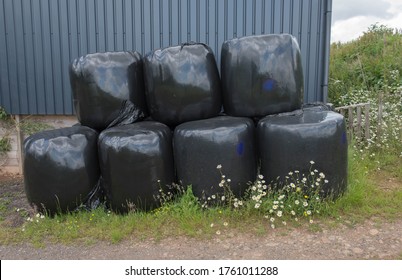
x=369, y=69
x=8, y=125
x=373, y=63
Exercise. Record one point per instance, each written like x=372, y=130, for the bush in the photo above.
x=369, y=70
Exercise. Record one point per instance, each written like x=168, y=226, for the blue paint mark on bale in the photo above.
x=344, y=138
x=269, y=85
x=240, y=148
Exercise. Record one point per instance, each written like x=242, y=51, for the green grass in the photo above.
x=184, y=216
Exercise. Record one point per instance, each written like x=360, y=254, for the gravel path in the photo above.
x=364, y=241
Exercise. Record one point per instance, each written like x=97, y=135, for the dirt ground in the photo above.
x=369, y=240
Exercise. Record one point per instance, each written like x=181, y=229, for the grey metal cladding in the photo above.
x=39, y=38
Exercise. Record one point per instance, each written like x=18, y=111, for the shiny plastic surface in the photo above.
x=100, y=83
x=61, y=168
x=182, y=84
x=261, y=75
x=288, y=142
x=200, y=146
x=136, y=160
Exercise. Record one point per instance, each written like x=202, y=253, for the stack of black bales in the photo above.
x=168, y=117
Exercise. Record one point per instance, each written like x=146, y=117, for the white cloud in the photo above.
x=347, y=26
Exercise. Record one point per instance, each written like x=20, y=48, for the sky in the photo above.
x=350, y=18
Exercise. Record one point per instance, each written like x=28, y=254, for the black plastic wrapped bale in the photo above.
x=136, y=161
x=101, y=82
x=182, y=84
x=288, y=142
x=61, y=168
x=200, y=146
x=261, y=75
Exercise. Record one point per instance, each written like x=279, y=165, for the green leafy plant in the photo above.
x=5, y=144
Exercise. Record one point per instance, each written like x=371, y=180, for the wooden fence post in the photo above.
x=367, y=120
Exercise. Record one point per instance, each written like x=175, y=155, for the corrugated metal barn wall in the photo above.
x=39, y=38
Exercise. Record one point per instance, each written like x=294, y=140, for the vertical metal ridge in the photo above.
x=6, y=56
x=216, y=24
x=25, y=57
x=42, y=52
x=160, y=23
x=35, y=74
x=254, y=15
x=51, y=56
x=142, y=28
x=96, y=7
x=170, y=21
x=291, y=17
x=133, y=33
x=123, y=6
x=244, y=17
x=61, y=58
x=179, y=19
x=235, y=31
x=282, y=15
x=105, y=25
x=16, y=55
x=198, y=19
x=263, y=17
x=188, y=21
x=86, y=25
x=225, y=20
x=207, y=22
x=114, y=25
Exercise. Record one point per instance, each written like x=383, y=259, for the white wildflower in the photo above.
x=279, y=214
x=219, y=166
x=312, y=162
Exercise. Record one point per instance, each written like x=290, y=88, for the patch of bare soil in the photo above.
x=369, y=240
x=386, y=181
x=12, y=198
